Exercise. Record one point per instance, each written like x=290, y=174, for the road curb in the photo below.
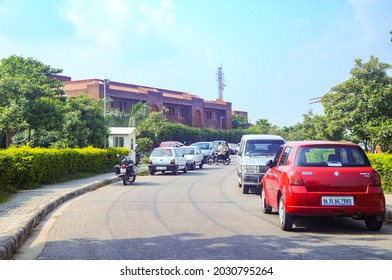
x=10, y=244
x=388, y=214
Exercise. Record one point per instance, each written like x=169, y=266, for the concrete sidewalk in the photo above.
x=20, y=215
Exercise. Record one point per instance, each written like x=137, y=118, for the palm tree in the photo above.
x=139, y=112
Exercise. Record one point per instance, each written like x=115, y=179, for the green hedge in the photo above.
x=383, y=165
x=26, y=167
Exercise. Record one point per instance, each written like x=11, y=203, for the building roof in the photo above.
x=122, y=130
x=81, y=85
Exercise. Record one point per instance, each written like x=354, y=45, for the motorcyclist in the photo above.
x=219, y=151
x=226, y=151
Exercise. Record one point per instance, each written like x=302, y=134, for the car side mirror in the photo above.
x=270, y=163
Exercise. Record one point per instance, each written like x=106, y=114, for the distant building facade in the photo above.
x=182, y=107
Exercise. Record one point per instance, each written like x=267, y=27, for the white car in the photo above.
x=193, y=155
x=233, y=148
x=254, y=152
x=167, y=159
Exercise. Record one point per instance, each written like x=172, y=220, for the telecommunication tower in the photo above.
x=220, y=78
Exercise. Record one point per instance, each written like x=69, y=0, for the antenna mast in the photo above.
x=220, y=78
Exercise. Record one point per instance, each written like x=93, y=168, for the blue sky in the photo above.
x=276, y=55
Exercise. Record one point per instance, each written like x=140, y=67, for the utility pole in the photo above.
x=315, y=100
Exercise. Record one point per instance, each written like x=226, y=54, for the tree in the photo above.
x=362, y=102
x=292, y=133
x=317, y=127
x=239, y=121
x=84, y=123
x=29, y=98
x=153, y=126
x=265, y=127
x=140, y=111
x=117, y=118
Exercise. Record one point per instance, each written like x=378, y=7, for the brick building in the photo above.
x=185, y=108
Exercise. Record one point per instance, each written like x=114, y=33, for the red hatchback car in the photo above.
x=321, y=178
x=176, y=144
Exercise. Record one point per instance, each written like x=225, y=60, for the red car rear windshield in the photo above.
x=332, y=156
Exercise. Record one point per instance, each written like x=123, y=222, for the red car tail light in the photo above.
x=295, y=179
x=375, y=180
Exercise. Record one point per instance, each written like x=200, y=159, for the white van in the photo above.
x=254, y=152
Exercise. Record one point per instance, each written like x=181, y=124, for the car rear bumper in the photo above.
x=156, y=167
x=310, y=204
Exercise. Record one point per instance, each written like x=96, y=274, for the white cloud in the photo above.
x=127, y=27
x=158, y=18
x=102, y=21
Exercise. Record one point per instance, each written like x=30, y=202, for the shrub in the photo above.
x=26, y=167
x=144, y=145
x=382, y=163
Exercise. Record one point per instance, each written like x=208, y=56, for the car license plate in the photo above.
x=161, y=168
x=337, y=201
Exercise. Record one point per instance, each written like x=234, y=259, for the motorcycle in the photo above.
x=138, y=157
x=126, y=170
x=218, y=159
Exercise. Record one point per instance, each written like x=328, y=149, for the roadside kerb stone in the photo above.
x=388, y=214
x=13, y=240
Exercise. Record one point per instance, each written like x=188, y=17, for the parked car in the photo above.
x=233, y=148
x=320, y=178
x=193, y=155
x=171, y=144
x=253, y=154
x=167, y=159
x=207, y=148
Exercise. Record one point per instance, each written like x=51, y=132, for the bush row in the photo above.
x=26, y=167
x=383, y=165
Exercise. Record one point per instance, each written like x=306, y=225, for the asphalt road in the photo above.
x=200, y=215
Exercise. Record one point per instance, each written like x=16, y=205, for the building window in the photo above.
x=123, y=106
x=209, y=115
x=216, y=116
x=118, y=141
x=180, y=112
x=171, y=111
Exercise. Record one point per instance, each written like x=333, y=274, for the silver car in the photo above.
x=207, y=148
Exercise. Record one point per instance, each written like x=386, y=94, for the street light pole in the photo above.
x=105, y=82
x=221, y=122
